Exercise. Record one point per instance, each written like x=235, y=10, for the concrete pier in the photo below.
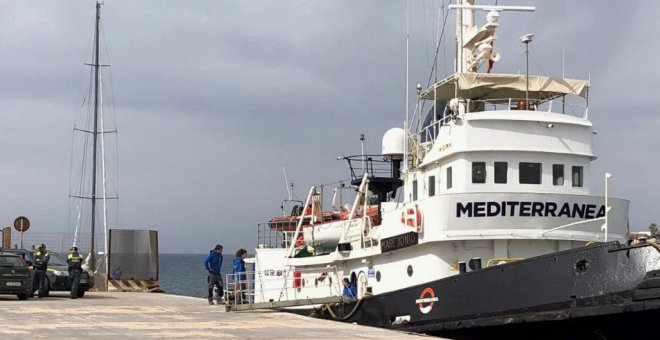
x=149, y=315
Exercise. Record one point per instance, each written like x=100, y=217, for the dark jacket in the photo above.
x=213, y=262
x=41, y=260
x=75, y=261
x=239, y=269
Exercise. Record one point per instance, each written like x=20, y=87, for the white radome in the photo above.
x=393, y=142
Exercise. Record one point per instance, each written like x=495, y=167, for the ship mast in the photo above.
x=97, y=70
x=474, y=44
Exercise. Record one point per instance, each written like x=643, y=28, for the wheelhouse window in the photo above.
x=449, y=178
x=501, y=169
x=414, y=190
x=431, y=186
x=529, y=173
x=478, y=172
x=558, y=174
x=578, y=176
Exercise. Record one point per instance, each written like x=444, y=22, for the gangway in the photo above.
x=282, y=304
x=281, y=288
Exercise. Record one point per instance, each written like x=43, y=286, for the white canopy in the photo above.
x=500, y=87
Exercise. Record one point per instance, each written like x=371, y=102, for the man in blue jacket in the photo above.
x=213, y=263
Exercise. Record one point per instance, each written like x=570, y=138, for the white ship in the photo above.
x=477, y=214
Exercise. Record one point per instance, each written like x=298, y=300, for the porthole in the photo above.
x=410, y=270
x=378, y=276
x=582, y=266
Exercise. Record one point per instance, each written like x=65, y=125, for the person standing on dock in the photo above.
x=213, y=264
x=75, y=261
x=41, y=258
x=239, y=275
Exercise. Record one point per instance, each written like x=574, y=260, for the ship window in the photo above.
x=529, y=173
x=558, y=174
x=500, y=172
x=577, y=176
x=478, y=172
x=414, y=190
x=449, y=178
x=378, y=276
x=431, y=186
x=409, y=270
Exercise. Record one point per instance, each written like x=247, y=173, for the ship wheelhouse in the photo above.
x=501, y=156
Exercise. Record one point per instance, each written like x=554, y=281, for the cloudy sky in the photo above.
x=213, y=98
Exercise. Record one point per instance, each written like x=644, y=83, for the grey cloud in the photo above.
x=214, y=97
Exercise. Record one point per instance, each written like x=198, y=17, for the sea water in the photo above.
x=184, y=274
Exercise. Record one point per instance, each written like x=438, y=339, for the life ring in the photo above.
x=412, y=217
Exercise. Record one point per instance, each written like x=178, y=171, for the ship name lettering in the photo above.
x=399, y=241
x=529, y=209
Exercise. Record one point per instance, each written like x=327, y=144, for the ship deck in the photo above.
x=149, y=315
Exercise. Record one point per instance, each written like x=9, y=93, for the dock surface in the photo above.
x=149, y=315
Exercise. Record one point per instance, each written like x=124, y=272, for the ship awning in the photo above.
x=497, y=87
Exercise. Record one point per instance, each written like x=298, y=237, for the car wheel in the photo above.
x=22, y=296
x=81, y=293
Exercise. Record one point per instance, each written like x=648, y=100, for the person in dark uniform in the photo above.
x=40, y=264
x=75, y=261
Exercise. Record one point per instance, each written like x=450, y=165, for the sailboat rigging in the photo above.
x=95, y=188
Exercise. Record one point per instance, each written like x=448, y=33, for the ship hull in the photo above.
x=587, y=289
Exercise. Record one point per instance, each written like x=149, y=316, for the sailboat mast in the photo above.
x=96, y=116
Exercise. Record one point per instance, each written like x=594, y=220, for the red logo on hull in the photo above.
x=426, y=300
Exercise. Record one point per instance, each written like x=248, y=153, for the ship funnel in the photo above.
x=393, y=143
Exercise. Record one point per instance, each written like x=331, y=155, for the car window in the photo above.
x=26, y=256
x=56, y=260
x=10, y=261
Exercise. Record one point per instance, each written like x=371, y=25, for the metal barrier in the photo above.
x=132, y=260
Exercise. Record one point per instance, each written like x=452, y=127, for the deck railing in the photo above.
x=285, y=284
x=562, y=105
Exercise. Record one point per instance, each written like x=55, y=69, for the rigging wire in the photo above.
x=434, y=68
x=444, y=43
x=113, y=117
x=426, y=43
x=103, y=187
x=79, y=187
x=345, y=180
x=437, y=48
